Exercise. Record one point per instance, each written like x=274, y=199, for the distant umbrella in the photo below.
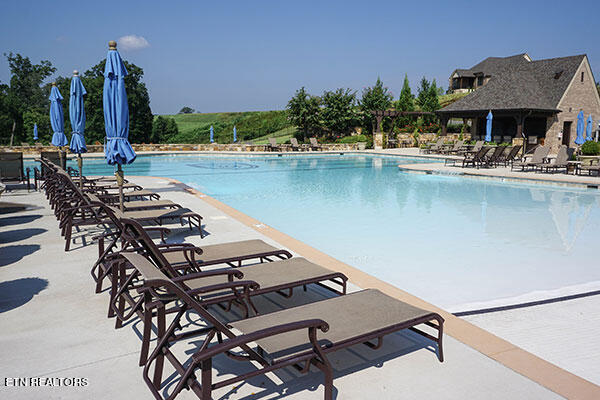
x=212, y=134
x=116, y=115
x=488, y=127
x=57, y=120
x=35, y=132
x=579, y=139
x=77, y=117
x=588, y=128
x=234, y=134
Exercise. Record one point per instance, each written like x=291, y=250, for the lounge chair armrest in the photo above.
x=246, y=285
x=230, y=272
x=310, y=324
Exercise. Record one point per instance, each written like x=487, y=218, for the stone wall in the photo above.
x=579, y=96
x=182, y=147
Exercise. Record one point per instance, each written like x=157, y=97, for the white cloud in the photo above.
x=132, y=42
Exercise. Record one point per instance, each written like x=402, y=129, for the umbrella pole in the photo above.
x=119, y=176
x=61, y=157
x=80, y=164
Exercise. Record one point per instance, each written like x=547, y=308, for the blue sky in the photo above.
x=241, y=56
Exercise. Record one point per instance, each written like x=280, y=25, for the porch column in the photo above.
x=378, y=135
x=444, y=122
x=520, y=118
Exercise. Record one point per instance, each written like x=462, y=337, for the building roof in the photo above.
x=537, y=85
x=493, y=65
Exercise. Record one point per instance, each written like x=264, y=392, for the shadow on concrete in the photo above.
x=22, y=219
x=20, y=234
x=14, y=294
x=13, y=253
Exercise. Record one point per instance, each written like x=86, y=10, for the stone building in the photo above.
x=535, y=99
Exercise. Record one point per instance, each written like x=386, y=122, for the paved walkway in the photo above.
x=53, y=325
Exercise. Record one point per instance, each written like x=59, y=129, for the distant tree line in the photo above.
x=24, y=102
x=336, y=113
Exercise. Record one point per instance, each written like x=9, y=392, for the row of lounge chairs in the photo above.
x=294, y=145
x=160, y=282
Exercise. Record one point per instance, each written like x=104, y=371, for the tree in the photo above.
x=406, y=102
x=163, y=130
x=374, y=98
x=423, y=94
x=186, y=110
x=25, y=92
x=304, y=112
x=338, y=112
x=433, y=101
x=140, y=114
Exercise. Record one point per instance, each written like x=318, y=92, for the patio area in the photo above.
x=54, y=326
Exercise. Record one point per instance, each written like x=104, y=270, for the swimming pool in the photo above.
x=450, y=240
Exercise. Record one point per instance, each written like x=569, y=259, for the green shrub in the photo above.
x=590, y=148
x=353, y=139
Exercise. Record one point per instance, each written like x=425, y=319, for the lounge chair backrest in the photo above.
x=482, y=152
x=134, y=231
x=272, y=142
x=513, y=152
x=539, y=154
x=157, y=279
x=313, y=141
x=11, y=165
x=498, y=150
x=458, y=145
x=294, y=142
x=562, y=157
x=478, y=145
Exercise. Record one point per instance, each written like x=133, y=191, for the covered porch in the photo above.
x=509, y=125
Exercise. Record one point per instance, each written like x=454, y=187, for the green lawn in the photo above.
x=250, y=125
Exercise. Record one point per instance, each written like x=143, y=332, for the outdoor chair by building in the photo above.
x=11, y=169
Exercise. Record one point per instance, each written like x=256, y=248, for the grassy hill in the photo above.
x=251, y=125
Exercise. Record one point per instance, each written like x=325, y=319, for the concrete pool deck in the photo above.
x=53, y=325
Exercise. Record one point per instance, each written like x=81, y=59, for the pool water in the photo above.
x=450, y=240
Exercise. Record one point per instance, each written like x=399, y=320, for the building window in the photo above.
x=479, y=80
x=582, y=76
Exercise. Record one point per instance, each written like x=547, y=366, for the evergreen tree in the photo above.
x=406, y=102
x=304, y=112
x=423, y=95
x=374, y=98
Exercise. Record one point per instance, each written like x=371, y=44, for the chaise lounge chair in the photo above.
x=284, y=338
x=314, y=145
x=280, y=276
x=537, y=159
x=273, y=146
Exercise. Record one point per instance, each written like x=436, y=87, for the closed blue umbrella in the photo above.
x=57, y=121
x=77, y=117
x=488, y=127
x=579, y=139
x=116, y=115
x=212, y=134
x=35, y=132
x=588, y=128
x=234, y=134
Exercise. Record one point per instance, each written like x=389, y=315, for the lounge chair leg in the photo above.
x=121, y=306
x=147, y=328
x=68, y=230
x=439, y=341
x=160, y=332
x=206, y=378
x=328, y=379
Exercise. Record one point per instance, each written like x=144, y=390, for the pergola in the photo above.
x=393, y=114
